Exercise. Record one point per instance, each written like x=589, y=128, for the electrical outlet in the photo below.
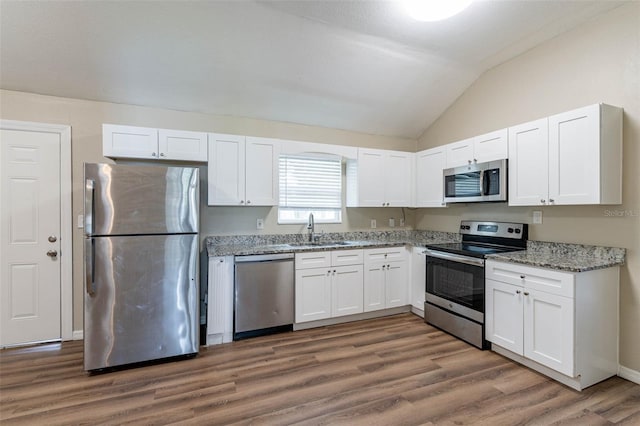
x=373, y=224
x=537, y=217
x=392, y=223
x=80, y=221
x=260, y=224
x=401, y=222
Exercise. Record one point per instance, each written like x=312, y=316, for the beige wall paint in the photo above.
x=86, y=118
x=597, y=62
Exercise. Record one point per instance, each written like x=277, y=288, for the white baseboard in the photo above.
x=629, y=374
x=78, y=335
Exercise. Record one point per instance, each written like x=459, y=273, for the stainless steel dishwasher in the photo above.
x=264, y=295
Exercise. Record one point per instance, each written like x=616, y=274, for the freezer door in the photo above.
x=133, y=200
x=141, y=299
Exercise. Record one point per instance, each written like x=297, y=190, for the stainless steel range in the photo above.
x=455, y=277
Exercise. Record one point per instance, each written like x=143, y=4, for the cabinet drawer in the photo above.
x=548, y=281
x=347, y=257
x=313, y=259
x=385, y=253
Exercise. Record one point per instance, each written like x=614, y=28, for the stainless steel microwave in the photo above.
x=475, y=183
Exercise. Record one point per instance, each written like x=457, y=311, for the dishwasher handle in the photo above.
x=263, y=257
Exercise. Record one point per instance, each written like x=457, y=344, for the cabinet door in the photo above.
x=549, y=330
x=429, y=182
x=459, y=153
x=574, y=156
x=371, y=178
x=528, y=164
x=129, y=142
x=313, y=294
x=226, y=170
x=220, y=300
x=262, y=157
x=418, y=277
x=374, y=281
x=503, y=315
x=398, y=167
x=491, y=146
x=347, y=291
x=182, y=145
x=396, y=284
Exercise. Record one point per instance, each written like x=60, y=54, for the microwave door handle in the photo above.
x=482, y=189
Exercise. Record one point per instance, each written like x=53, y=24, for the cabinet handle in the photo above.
x=518, y=292
x=526, y=293
x=551, y=200
x=522, y=277
x=543, y=201
x=162, y=154
x=153, y=154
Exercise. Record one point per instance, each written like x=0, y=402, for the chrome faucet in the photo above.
x=311, y=227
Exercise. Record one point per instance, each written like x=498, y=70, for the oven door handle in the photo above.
x=455, y=257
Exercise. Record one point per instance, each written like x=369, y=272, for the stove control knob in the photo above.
x=467, y=227
x=518, y=230
x=510, y=230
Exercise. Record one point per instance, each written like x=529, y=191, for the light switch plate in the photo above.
x=537, y=217
x=373, y=224
x=260, y=224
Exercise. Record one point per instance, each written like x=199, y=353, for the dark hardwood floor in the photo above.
x=388, y=371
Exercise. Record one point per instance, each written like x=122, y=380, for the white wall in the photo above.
x=597, y=62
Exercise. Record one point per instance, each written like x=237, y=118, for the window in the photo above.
x=310, y=184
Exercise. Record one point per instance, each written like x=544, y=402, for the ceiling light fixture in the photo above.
x=434, y=10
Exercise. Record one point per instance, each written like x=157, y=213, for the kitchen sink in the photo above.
x=321, y=243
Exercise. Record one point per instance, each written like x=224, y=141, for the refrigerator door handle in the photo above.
x=88, y=206
x=88, y=265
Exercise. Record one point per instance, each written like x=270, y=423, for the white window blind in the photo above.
x=310, y=184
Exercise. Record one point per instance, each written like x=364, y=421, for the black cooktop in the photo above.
x=472, y=249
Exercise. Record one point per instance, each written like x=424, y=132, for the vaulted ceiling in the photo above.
x=354, y=65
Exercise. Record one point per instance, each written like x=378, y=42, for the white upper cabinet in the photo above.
x=528, y=164
x=478, y=149
x=380, y=178
x=429, y=182
x=243, y=171
x=153, y=144
x=569, y=158
x=182, y=145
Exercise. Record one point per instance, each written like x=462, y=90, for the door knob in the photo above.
x=52, y=238
x=52, y=253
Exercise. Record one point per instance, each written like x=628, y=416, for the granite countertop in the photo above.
x=564, y=257
x=241, y=245
x=558, y=256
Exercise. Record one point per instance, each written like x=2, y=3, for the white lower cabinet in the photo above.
x=554, y=322
x=220, y=300
x=328, y=284
x=418, y=279
x=386, y=278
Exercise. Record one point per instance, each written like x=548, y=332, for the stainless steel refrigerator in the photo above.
x=141, y=263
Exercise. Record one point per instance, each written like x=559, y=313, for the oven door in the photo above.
x=456, y=283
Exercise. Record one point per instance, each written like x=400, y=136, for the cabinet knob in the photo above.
x=387, y=204
x=475, y=160
x=469, y=161
x=153, y=154
x=241, y=201
x=248, y=201
x=551, y=200
x=162, y=154
x=522, y=277
x=382, y=204
x=518, y=292
x=388, y=266
x=334, y=271
x=543, y=201
x=526, y=293
x=52, y=253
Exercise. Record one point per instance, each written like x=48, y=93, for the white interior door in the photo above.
x=30, y=235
